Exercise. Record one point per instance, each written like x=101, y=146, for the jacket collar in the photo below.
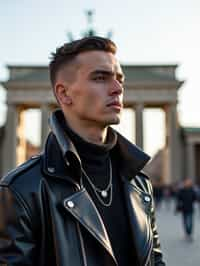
x=132, y=158
x=60, y=153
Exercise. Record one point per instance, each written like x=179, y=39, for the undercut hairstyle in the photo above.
x=65, y=54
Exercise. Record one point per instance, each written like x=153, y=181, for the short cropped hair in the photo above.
x=66, y=53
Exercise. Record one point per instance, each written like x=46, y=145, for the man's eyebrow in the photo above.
x=104, y=72
x=108, y=73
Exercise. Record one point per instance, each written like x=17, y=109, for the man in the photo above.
x=186, y=198
x=84, y=200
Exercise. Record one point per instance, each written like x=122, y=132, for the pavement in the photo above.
x=177, y=250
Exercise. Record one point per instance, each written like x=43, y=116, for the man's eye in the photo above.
x=100, y=78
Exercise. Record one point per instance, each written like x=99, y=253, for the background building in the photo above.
x=146, y=86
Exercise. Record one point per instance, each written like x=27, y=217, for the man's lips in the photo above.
x=115, y=103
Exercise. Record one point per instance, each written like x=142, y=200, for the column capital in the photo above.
x=138, y=105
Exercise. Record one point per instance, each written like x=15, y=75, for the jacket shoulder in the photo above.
x=143, y=182
x=22, y=169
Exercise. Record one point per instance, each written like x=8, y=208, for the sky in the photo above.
x=146, y=32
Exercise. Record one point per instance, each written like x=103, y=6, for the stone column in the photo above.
x=139, y=124
x=45, y=112
x=173, y=170
x=190, y=156
x=10, y=139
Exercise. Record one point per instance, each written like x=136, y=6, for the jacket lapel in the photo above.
x=138, y=205
x=83, y=209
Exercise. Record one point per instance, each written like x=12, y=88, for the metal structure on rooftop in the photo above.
x=90, y=30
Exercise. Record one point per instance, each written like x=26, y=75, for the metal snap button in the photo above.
x=147, y=198
x=67, y=162
x=70, y=204
x=51, y=170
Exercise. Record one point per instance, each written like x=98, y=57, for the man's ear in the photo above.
x=61, y=92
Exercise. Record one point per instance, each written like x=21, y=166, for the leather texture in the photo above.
x=48, y=218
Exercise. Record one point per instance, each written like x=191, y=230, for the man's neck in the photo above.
x=89, y=133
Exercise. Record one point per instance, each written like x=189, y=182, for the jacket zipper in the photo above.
x=148, y=259
x=82, y=245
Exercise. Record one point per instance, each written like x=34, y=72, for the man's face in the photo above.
x=97, y=90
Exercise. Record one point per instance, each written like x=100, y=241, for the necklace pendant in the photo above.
x=104, y=193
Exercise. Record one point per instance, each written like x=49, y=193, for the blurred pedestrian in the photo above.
x=185, y=204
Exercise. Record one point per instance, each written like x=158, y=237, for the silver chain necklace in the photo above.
x=101, y=193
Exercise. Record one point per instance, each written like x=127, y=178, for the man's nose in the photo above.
x=116, y=87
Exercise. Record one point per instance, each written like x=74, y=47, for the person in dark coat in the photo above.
x=84, y=201
x=186, y=197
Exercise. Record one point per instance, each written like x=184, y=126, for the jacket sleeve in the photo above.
x=17, y=245
x=145, y=185
x=158, y=257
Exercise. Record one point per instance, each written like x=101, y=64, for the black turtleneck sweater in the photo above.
x=95, y=162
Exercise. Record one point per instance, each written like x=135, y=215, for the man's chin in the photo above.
x=114, y=121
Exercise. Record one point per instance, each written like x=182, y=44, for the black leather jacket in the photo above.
x=48, y=219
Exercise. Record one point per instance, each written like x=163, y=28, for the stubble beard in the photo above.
x=114, y=121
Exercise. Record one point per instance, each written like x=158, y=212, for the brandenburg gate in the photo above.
x=146, y=86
